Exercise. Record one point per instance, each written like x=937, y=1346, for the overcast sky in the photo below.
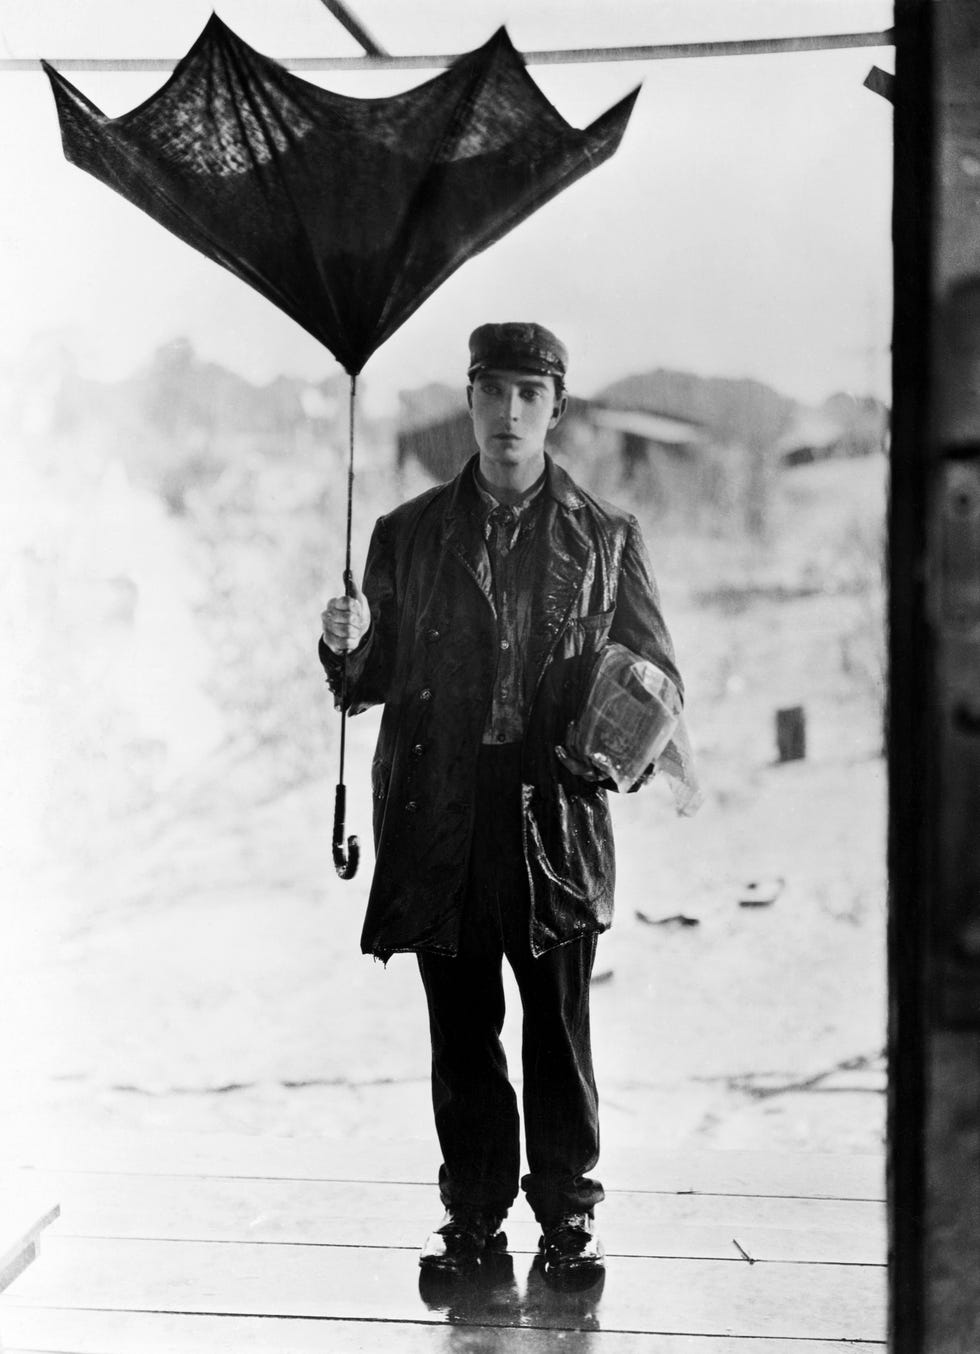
x=742, y=229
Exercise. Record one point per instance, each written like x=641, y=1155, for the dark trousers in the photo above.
x=476, y=1112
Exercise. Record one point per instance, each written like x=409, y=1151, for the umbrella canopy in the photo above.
x=346, y=213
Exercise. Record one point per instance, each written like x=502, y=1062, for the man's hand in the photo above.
x=576, y=765
x=346, y=621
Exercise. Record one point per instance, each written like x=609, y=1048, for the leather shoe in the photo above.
x=457, y=1246
x=571, y=1253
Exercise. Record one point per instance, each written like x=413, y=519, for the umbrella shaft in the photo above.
x=348, y=576
x=348, y=581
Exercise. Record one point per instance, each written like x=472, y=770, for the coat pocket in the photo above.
x=579, y=854
x=597, y=621
x=587, y=634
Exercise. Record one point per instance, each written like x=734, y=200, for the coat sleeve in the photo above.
x=638, y=623
x=370, y=667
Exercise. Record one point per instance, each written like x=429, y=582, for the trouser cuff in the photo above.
x=551, y=1199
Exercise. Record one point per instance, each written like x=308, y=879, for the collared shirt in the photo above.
x=509, y=535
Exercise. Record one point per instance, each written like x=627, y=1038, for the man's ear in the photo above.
x=469, y=398
x=558, y=412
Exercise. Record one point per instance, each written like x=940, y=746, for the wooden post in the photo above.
x=934, y=623
x=791, y=733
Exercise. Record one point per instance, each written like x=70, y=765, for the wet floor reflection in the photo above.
x=506, y=1291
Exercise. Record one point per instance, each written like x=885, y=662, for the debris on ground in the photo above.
x=676, y=919
x=761, y=892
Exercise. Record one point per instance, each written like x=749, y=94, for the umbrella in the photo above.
x=345, y=213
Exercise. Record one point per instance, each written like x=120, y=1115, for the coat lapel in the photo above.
x=464, y=535
x=564, y=552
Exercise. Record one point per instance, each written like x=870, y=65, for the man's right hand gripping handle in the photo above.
x=346, y=621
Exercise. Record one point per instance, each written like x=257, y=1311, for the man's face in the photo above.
x=512, y=412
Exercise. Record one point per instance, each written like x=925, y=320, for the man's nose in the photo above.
x=512, y=405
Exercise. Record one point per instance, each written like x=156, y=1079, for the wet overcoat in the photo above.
x=429, y=658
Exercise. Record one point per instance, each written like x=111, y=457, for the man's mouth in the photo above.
x=506, y=437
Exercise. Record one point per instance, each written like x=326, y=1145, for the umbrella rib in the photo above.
x=402, y=245
x=354, y=27
x=820, y=42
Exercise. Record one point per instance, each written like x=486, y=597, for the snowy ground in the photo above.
x=194, y=963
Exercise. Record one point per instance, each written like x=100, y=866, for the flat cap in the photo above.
x=517, y=346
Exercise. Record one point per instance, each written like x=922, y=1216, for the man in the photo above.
x=486, y=602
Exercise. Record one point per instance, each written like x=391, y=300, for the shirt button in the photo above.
x=501, y=738
x=425, y=694
x=505, y=643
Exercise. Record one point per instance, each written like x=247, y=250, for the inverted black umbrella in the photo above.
x=346, y=213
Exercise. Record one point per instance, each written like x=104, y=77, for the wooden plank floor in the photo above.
x=190, y=1244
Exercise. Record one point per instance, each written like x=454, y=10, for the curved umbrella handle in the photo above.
x=345, y=860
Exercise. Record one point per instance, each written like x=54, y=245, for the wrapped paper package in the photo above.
x=632, y=720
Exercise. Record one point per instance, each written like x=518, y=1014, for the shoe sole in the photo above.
x=572, y=1271
x=435, y=1264
x=574, y=1277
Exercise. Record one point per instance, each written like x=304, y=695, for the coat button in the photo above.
x=411, y=806
x=432, y=635
x=417, y=750
x=505, y=643
x=425, y=694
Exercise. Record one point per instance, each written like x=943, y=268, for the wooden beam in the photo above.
x=804, y=1301
x=809, y=1175
x=23, y=1216
x=87, y=1332
x=674, y=51
x=360, y=1213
